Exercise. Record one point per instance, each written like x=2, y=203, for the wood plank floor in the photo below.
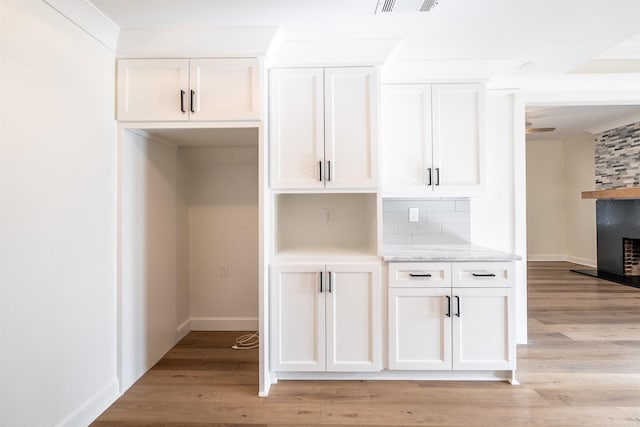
x=580, y=368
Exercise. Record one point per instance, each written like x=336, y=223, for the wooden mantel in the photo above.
x=618, y=193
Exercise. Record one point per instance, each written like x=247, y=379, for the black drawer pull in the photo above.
x=420, y=275
x=483, y=275
x=449, y=306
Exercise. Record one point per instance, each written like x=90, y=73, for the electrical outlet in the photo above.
x=414, y=214
x=224, y=271
x=327, y=214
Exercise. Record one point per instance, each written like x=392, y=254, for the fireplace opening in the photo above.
x=631, y=256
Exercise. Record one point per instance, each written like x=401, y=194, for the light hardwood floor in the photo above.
x=580, y=368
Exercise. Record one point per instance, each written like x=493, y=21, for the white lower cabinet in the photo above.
x=325, y=317
x=466, y=326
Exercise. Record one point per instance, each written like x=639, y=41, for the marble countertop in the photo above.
x=444, y=253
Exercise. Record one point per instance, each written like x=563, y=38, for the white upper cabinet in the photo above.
x=153, y=89
x=433, y=139
x=323, y=125
x=296, y=122
x=406, y=137
x=458, y=136
x=188, y=89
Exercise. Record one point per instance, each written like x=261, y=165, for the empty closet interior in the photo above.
x=188, y=238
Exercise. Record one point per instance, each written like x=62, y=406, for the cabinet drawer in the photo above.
x=482, y=274
x=419, y=274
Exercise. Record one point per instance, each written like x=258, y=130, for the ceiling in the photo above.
x=575, y=121
x=532, y=36
x=499, y=37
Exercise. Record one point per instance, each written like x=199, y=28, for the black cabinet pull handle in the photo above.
x=320, y=168
x=483, y=275
x=182, y=101
x=429, y=176
x=193, y=95
x=321, y=290
x=330, y=281
x=329, y=170
x=458, y=304
x=420, y=275
x=448, y=306
x=437, y=176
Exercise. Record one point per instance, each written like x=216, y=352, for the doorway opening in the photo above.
x=189, y=239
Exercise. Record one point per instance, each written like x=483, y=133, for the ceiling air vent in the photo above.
x=388, y=6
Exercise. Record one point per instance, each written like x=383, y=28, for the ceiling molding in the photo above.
x=623, y=121
x=196, y=42
x=89, y=19
x=333, y=52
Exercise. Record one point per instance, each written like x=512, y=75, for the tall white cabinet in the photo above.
x=323, y=125
x=433, y=139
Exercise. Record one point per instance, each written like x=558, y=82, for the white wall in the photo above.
x=150, y=289
x=560, y=224
x=223, y=236
x=493, y=214
x=57, y=220
x=546, y=217
x=580, y=213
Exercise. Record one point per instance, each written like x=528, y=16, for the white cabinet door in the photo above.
x=420, y=328
x=353, y=317
x=224, y=89
x=350, y=114
x=296, y=110
x=406, y=136
x=325, y=318
x=458, y=137
x=483, y=329
x=298, y=318
x=153, y=89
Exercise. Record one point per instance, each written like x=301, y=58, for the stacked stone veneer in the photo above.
x=618, y=157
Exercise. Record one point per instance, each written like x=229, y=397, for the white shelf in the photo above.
x=326, y=225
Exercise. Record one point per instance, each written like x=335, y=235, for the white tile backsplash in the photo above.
x=443, y=221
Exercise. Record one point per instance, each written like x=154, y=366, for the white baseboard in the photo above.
x=224, y=323
x=576, y=260
x=183, y=329
x=537, y=258
x=91, y=409
x=583, y=261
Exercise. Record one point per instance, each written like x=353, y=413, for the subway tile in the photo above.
x=456, y=228
x=462, y=205
x=463, y=239
x=396, y=239
x=393, y=216
x=390, y=227
x=433, y=239
x=443, y=217
x=419, y=228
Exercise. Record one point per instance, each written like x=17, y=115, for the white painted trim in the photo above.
x=582, y=261
x=399, y=375
x=520, y=217
x=541, y=258
x=183, y=329
x=224, y=324
x=89, y=19
x=623, y=121
x=565, y=258
x=92, y=407
x=196, y=42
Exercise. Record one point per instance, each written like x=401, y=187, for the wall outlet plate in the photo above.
x=414, y=214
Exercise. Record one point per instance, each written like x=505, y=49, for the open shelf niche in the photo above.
x=328, y=224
